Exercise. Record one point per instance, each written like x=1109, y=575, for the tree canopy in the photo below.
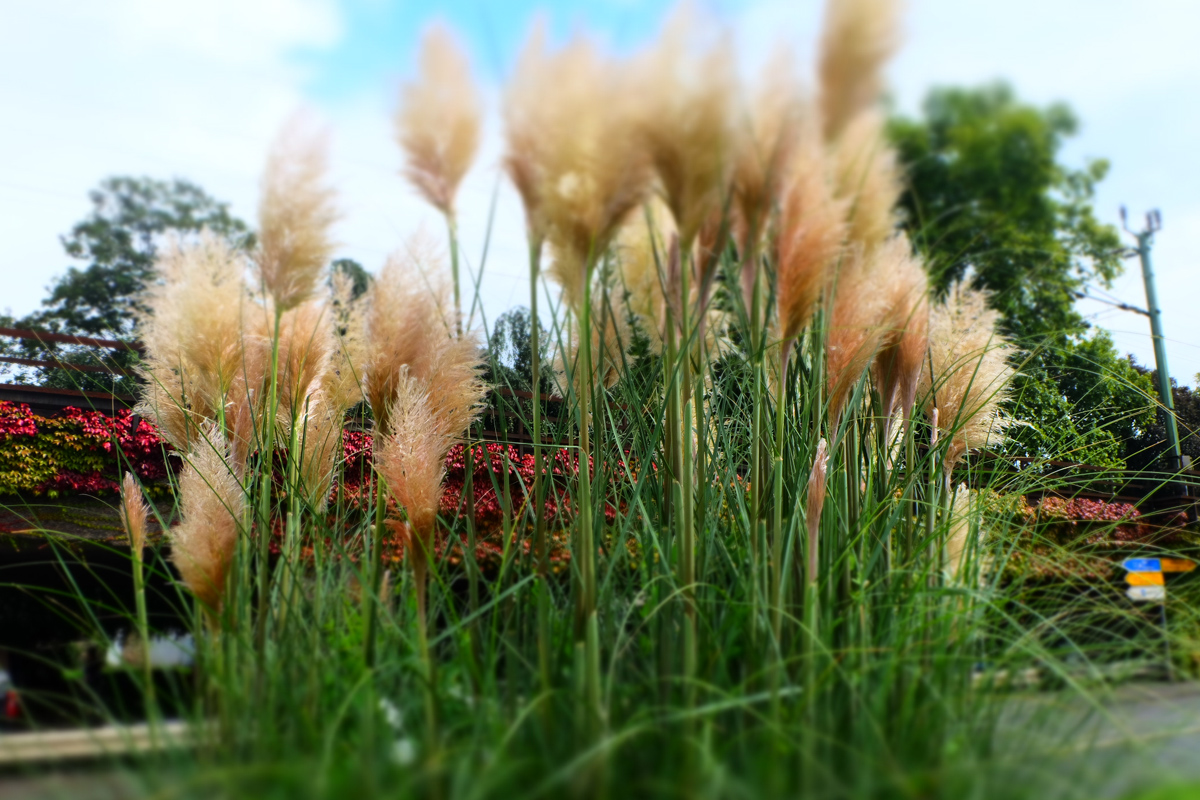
x=129, y=221
x=989, y=201
x=119, y=241
x=510, y=346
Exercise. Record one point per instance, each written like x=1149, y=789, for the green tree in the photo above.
x=510, y=351
x=130, y=219
x=360, y=279
x=1149, y=449
x=989, y=201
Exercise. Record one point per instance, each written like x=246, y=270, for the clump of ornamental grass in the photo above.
x=212, y=505
x=439, y=120
x=969, y=374
x=230, y=361
x=211, y=338
x=765, y=563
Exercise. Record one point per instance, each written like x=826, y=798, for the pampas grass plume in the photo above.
x=811, y=231
x=901, y=357
x=192, y=330
x=412, y=457
x=306, y=350
x=859, y=37
x=868, y=179
x=134, y=512
x=211, y=501
x=439, y=121
x=319, y=437
x=428, y=416
x=686, y=95
x=585, y=170
x=856, y=316
x=816, y=502
x=971, y=372
x=642, y=252
x=296, y=213
x=407, y=321
x=764, y=146
x=160, y=401
x=528, y=129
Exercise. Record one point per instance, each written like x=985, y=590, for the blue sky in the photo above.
x=376, y=33
x=198, y=90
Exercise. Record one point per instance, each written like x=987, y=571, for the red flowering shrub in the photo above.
x=16, y=420
x=1093, y=522
x=86, y=452
x=1081, y=510
x=78, y=452
x=497, y=467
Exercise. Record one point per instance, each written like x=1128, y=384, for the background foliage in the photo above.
x=989, y=199
x=78, y=452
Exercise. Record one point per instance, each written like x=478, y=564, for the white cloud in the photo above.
x=137, y=87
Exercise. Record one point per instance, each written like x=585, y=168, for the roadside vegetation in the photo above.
x=749, y=523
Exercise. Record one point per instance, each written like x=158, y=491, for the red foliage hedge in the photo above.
x=86, y=452
x=80, y=452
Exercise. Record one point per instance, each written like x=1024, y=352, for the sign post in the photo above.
x=1146, y=583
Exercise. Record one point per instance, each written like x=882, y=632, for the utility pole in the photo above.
x=1144, y=239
